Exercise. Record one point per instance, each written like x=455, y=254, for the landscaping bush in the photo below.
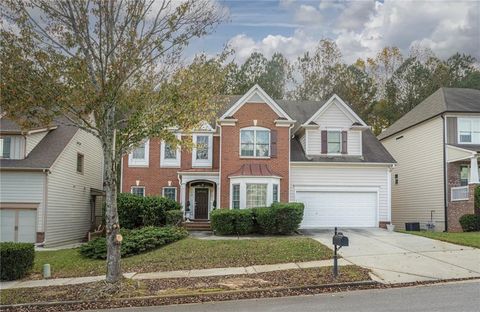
x=16, y=259
x=280, y=218
x=135, y=241
x=470, y=222
x=232, y=222
x=137, y=211
x=477, y=199
x=174, y=217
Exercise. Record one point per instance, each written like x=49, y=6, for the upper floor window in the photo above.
x=139, y=156
x=255, y=142
x=334, y=142
x=80, y=160
x=170, y=155
x=170, y=152
x=5, y=144
x=469, y=130
x=202, y=152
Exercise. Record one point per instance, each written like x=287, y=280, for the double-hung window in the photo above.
x=5, y=144
x=275, y=193
x=236, y=196
x=255, y=142
x=170, y=155
x=139, y=156
x=138, y=190
x=202, y=147
x=334, y=142
x=170, y=152
x=170, y=192
x=202, y=153
x=256, y=195
x=469, y=130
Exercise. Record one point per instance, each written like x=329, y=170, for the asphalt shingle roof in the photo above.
x=458, y=100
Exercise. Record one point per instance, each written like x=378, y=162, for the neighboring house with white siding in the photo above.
x=436, y=145
x=50, y=183
x=259, y=150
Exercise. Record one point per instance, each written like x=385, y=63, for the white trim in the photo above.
x=254, y=129
x=170, y=163
x=469, y=152
x=322, y=109
x=470, y=119
x=139, y=187
x=389, y=195
x=192, y=199
x=284, y=123
x=320, y=163
x=202, y=163
x=140, y=162
x=243, y=181
x=170, y=187
x=227, y=122
x=256, y=89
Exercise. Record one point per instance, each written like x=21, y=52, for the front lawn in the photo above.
x=471, y=239
x=189, y=253
x=185, y=286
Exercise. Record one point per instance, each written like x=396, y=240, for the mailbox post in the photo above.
x=338, y=242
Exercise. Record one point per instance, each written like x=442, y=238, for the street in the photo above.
x=459, y=297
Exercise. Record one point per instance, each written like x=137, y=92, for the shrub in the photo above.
x=135, y=241
x=231, y=222
x=280, y=218
x=477, y=199
x=470, y=222
x=137, y=211
x=174, y=217
x=16, y=260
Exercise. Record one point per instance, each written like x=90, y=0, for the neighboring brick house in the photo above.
x=437, y=145
x=259, y=151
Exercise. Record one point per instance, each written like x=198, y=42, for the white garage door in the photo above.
x=18, y=225
x=335, y=208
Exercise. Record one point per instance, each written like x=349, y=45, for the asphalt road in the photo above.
x=459, y=297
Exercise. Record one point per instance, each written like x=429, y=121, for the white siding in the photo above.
x=17, y=146
x=314, y=142
x=345, y=176
x=68, y=213
x=24, y=187
x=303, y=141
x=354, y=142
x=419, y=154
x=32, y=140
x=334, y=117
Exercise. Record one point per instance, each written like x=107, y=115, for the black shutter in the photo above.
x=324, y=142
x=344, y=142
x=273, y=143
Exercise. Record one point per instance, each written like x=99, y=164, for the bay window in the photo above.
x=256, y=195
x=469, y=130
x=255, y=142
x=250, y=192
x=236, y=196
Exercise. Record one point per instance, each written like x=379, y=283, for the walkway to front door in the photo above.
x=201, y=203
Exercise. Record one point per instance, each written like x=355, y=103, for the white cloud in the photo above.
x=308, y=14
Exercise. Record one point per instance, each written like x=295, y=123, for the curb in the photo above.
x=206, y=295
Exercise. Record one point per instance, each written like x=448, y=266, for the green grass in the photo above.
x=189, y=253
x=471, y=239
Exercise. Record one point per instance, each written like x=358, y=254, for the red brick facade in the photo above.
x=231, y=160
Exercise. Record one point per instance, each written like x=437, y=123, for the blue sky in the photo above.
x=360, y=28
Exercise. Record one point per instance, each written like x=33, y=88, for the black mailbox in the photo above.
x=340, y=240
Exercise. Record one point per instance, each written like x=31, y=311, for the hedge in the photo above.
x=470, y=222
x=280, y=218
x=174, y=217
x=16, y=260
x=232, y=222
x=135, y=241
x=137, y=211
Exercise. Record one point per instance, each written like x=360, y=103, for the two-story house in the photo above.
x=259, y=151
x=436, y=145
x=51, y=183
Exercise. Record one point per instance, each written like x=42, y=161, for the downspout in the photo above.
x=45, y=206
x=445, y=174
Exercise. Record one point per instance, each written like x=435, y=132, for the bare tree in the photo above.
x=109, y=67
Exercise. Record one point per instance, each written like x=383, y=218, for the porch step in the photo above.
x=197, y=226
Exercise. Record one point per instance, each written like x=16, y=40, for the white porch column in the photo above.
x=182, y=195
x=473, y=170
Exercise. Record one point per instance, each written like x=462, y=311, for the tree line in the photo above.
x=380, y=89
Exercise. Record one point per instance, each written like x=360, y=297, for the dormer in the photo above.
x=334, y=130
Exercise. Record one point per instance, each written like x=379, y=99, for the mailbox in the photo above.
x=340, y=240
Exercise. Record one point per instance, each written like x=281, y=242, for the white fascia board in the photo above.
x=343, y=106
x=353, y=164
x=264, y=96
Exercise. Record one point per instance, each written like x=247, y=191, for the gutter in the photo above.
x=445, y=201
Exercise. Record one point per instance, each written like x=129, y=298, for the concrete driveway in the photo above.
x=401, y=258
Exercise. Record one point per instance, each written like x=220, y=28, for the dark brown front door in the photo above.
x=201, y=203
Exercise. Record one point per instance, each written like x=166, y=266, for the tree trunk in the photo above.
x=114, y=273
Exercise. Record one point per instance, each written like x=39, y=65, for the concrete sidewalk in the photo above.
x=175, y=274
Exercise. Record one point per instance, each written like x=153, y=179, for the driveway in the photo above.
x=401, y=258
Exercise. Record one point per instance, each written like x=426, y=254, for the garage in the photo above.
x=338, y=208
x=18, y=225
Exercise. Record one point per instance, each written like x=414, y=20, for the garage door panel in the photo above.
x=26, y=226
x=7, y=223
x=332, y=208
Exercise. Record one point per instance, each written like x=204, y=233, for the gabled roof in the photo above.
x=45, y=152
x=373, y=152
x=455, y=100
x=256, y=94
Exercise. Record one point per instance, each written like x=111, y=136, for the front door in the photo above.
x=201, y=203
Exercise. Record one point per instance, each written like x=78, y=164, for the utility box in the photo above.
x=412, y=226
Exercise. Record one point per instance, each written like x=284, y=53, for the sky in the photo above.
x=360, y=28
